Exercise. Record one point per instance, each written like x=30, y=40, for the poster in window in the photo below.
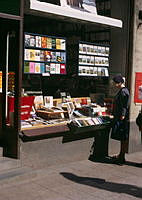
x=138, y=88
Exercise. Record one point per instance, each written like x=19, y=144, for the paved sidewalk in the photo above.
x=85, y=180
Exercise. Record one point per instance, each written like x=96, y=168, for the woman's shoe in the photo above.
x=117, y=159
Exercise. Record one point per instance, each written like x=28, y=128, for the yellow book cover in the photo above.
x=32, y=55
x=49, y=43
x=37, y=67
x=58, y=43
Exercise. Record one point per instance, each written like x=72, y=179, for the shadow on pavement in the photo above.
x=105, y=185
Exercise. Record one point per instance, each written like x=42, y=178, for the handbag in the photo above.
x=139, y=120
x=118, y=130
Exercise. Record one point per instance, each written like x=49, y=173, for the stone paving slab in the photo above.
x=85, y=180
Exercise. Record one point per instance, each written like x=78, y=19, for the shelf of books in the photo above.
x=44, y=54
x=93, y=59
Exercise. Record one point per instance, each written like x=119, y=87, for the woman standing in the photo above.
x=120, y=124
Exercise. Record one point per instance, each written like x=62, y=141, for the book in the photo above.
x=42, y=67
x=58, y=44
x=37, y=55
x=57, y=68
x=63, y=57
x=84, y=48
x=37, y=68
x=32, y=67
x=32, y=41
x=42, y=56
x=27, y=40
x=95, y=71
x=80, y=48
x=44, y=42
x=63, y=69
x=32, y=54
x=38, y=102
x=53, y=43
x=52, y=68
x=53, y=56
x=26, y=67
x=96, y=50
x=47, y=56
x=49, y=43
x=63, y=44
x=38, y=41
x=47, y=68
x=48, y=101
x=26, y=54
x=58, y=57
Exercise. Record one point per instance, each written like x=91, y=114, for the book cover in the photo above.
x=38, y=102
x=57, y=68
x=80, y=48
x=53, y=43
x=52, y=68
x=32, y=41
x=32, y=55
x=42, y=55
x=42, y=67
x=95, y=71
x=47, y=68
x=84, y=59
x=99, y=71
x=26, y=67
x=49, y=43
x=48, y=101
x=91, y=70
x=44, y=42
x=27, y=40
x=92, y=49
x=38, y=41
x=37, y=55
x=58, y=43
x=91, y=122
x=99, y=50
x=88, y=49
x=32, y=67
x=37, y=68
x=63, y=44
x=80, y=59
x=103, y=51
x=107, y=51
x=92, y=60
x=63, y=69
x=106, y=72
x=84, y=49
x=63, y=57
x=27, y=54
x=88, y=59
x=53, y=56
x=96, y=50
x=58, y=56
x=47, y=56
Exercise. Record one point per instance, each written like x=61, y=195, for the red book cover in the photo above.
x=63, y=69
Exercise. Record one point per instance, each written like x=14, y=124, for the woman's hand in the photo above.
x=122, y=117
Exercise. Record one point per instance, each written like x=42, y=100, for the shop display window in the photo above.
x=44, y=55
x=93, y=60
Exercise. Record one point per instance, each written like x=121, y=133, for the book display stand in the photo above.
x=93, y=60
x=44, y=54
